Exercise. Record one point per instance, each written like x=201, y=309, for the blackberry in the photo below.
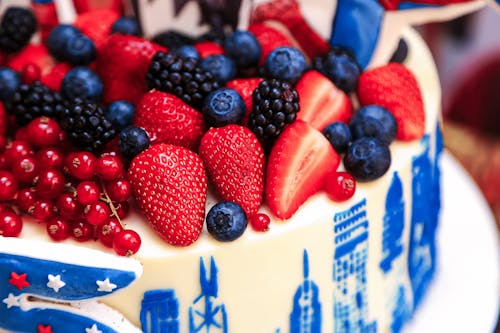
x=32, y=101
x=275, y=104
x=172, y=39
x=16, y=29
x=86, y=126
x=182, y=77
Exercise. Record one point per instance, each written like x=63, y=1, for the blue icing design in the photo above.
x=351, y=253
x=412, y=5
x=401, y=311
x=204, y=315
x=160, y=312
x=394, y=223
x=306, y=314
x=357, y=26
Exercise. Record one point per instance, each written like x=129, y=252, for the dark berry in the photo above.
x=222, y=67
x=226, y=221
x=401, y=52
x=120, y=113
x=172, y=39
x=126, y=25
x=80, y=50
x=9, y=82
x=58, y=39
x=341, y=67
x=374, y=121
x=244, y=48
x=127, y=242
x=340, y=186
x=16, y=28
x=132, y=140
x=187, y=51
x=339, y=135
x=367, y=159
x=82, y=82
x=285, y=63
x=11, y=224
x=222, y=107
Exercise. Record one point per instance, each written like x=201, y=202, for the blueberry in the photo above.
x=339, y=135
x=58, y=38
x=374, y=121
x=221, y=67
x=286, y=64
x=243, y=48
x=80, y=50
x=226, y=221
x=9, y=82
x=341, y=67
x=127, y=26
x=82, y=82
x=187, y=51
x=132, y=140
x=367, y=159
x=120, y=113
x=222, y=107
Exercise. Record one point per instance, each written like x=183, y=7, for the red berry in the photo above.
x=6, y=208
x=88, y=192
x=17, y=149
x=43, y=131
x=25, y=169
x=340, y=186
x=109, y=167
x=50, y=157
x=58, y=228
x=42, y=210
x=97, y=212
x=119, y=189
x=26, y=198
x=80, y=165
x=127, y=242
x=82, y=231
x=260, y=222
x=11, y=224
x=68, y=207
x=107, y=230
x=3, y=142
x=30, y=73
x=122, y=209
x=50, y=183
x=8, y=185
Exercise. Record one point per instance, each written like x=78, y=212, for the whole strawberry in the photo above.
x=167, y=119
x=235, y=162
x=169, y=185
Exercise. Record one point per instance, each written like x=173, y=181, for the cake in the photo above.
x=359, y=265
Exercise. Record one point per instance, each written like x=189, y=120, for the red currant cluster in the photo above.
x=75, y=193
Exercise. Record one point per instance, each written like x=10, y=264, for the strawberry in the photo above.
x=245, y=87
x=208, y=48
x=269, y=39
x=235, y=162
x=122, y=64
x=395, y=88
x=54, y=78
x=82, y=6
x=297, y=167
x=169, y=185
x=46, y=16
x=321, y=102
x=167, y=119
x=96, y=24
x=32, y=54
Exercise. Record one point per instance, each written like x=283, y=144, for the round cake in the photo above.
x=361, y=263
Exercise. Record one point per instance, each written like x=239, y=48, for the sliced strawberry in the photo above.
x=96, y=24
x=54, y=78
x=208, y=48
x=321, y=102
x=46, y=16
x=169, y=185
x=122, y=64
x=32, y=54
x=298, y=165
x=245, y=87
x=394, y=87
x=269, y=39
x=167, y=119
x=82, y=6
x=235, y=162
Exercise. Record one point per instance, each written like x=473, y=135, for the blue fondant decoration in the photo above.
x=357, y=26
x=394, y=223
x=306, y=314
x=160, y=311
x=424, y=220
x=401, y=311
x=204, y=315
x=349, y=271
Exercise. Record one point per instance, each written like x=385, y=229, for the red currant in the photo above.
x=42, y=210
x=107, y=230
x=340, y=186
x=3, y=142
x=17, y=149
x=119, y=189
x=260, y=222
x=30, y=73
x=25, y=169
x=50, y=183
x=6, y=208
x=58, y=228
x=50, y=157
x=8, y=185
x=68, y=207
x=80, y=165
x=11, y=224
x=21, y=134
x=26, y=198
x=82, y=231
x=109, y=167
x=122, y=209
x=43, y=131
x=88, y=192
x=127, y=242
x=97, y=212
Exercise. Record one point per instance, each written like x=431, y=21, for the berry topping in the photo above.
x=340, y=186
x=285, y=63
x=58, y=39
x=126, y=25
x=269, y=39
x=80, y=165
x=260, y=222
x=43, y=132
x=11, y=224
x=16, y=28
x=172, y=39
x=120, y=113
x=374, y=121
x=367, y=159
x=126, y=242
x=222, y=67
x=226, y=221
x=80, y=50
x=9, y=82
x=245, y=87
x=223, y=107
x=82, y=82
x=8, y=185
x=58, y=228
x=187, y=51
x=243, y=48
x=341, y=67
x=339, y=135
x=132, y=140
x=107, y=230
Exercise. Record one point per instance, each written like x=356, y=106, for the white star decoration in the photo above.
x=105, y=285
x=93, y=329
x=12, y=301
x=55, y=282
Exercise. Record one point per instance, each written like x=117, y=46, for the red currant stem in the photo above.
x=108, y=200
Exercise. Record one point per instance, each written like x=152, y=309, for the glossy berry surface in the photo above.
x=17, y=149
x=132, y=140
x=80, y=50
x=374, y=121
x=8, y=185
x=187, y=51
x=222, y=107
x=88, y=192
x=285, y=63
x=367, y=159
x=226, y=221
x=126, y=242
x=58, y=228
x=340, y=67
x=50, y=183
x=9, y=82
x=120, y=113
x=68, y=206
x=260, y=222
x=108, y=167
x=82, y=231
x=43, y=131
x=244, y=48
x=82, y=82
x=58, y=39
x=221, y=66
x=340, y=136
x=50, y=157
x=11, y=224
x=119, y=189
x=107, y=230
x=340, y=186
x=97, y=212
x=26, y=198
x=30, y=73
x=25, y=169
x=43, y=210
x=127, y=26
x=80, y=165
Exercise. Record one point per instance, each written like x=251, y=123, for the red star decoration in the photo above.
x=18, y=280
x=44, y=329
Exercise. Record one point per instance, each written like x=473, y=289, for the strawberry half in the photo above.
x=395, y=88
x=235, y=162
x=269, y=39
x=167, y=119
x=321, y=102
x=96, y=24
x=36, y=54
x=245, y=87
x=54, y=78
x=169, y=185
x=297, y=167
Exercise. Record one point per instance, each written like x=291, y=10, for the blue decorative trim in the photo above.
x=160, y=312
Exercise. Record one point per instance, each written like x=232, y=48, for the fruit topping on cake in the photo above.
x=226, y=221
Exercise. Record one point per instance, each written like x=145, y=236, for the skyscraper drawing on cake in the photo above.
x=160, y=312
x=204, y=314
x=349, y=271
x=306, y=314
